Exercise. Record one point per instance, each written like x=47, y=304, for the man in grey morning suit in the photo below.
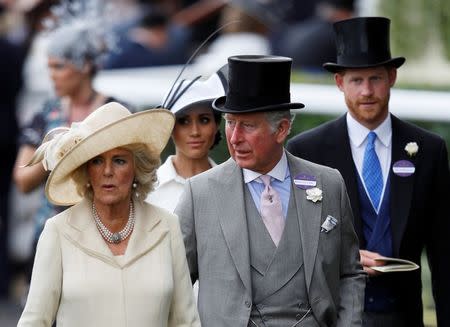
x=296, y=264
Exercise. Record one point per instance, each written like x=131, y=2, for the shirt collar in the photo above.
x=358, y=133
x=278, y=172
x=167, y=172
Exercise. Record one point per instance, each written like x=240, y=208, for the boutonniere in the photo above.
x=314, y=194
x=411, y=148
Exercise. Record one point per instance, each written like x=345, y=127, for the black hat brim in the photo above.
x=219, y=105
x=334, y=68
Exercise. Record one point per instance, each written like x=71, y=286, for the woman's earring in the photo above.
x=134, y=184
x=88, y=185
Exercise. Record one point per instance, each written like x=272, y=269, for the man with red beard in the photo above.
x=397, y=176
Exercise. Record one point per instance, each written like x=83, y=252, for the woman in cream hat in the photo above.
x=110, y=259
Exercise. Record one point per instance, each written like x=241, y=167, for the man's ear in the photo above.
x=339, y=80
x=283, y=130
x=392, y=74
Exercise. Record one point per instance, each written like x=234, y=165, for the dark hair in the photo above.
x=154, y=18
x=218, y=136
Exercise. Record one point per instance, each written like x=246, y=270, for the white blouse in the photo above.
x=170, y=186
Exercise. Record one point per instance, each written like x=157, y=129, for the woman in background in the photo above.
x=74, y=54
x=196, y=132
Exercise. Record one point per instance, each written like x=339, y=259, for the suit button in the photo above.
x=248, y=304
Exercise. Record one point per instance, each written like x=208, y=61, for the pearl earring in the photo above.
x=134, y=184
x=88, y=185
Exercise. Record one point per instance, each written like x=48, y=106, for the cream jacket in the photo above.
x=78, y=281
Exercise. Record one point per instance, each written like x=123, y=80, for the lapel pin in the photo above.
x=305, y=181
x=403, y=168
x=329, y=224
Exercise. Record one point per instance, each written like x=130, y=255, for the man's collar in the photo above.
x=358, y=133
x=278, y=172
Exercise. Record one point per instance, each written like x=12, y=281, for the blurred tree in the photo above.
x=410, y=25
x=415, y=23
x=444, y=10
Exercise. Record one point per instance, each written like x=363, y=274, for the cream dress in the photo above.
x=77, y=281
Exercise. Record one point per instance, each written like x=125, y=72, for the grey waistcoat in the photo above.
x=278, y=279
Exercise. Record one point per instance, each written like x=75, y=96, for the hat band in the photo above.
x=358, y=59
x=239, y=101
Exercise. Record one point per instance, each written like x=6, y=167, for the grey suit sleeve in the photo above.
x=185, y=212
x=353, y=277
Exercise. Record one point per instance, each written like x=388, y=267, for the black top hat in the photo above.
x=362, y=42
x=257, y=83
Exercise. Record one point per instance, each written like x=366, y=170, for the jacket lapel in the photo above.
x=83, y=233
x=340, y=155
x=148, y=232
x=232, y=219
x=401, y=187
x=309, y=215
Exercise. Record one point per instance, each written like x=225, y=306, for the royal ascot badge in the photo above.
x=305, y=181
x=403, y=168
x=411, y=149
x=314, y=194
x=329, y=224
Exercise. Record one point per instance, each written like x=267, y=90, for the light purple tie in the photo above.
x=271, y=210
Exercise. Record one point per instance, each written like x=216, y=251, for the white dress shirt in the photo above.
x=383, y=145
x=170, y=186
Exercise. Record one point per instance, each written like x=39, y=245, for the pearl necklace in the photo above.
x=118, y=236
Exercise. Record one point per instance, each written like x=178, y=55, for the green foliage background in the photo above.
x=415, y=22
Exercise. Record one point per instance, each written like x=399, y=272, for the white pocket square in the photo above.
x=329, y=223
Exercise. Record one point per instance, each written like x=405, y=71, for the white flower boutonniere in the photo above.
x=411, y=148
x=314, y=194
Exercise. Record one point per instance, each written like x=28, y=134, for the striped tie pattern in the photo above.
x=371, y=171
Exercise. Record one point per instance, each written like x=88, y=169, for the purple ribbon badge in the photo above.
x=305, y=181
x=403, y=168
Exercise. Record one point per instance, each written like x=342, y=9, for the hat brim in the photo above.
x=202, y=103
x=334, y=68
x=219, y=105
x=151, y=127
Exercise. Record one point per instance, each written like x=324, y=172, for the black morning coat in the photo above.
x=420, y=211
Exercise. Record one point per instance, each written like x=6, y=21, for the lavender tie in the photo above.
x=271, y=210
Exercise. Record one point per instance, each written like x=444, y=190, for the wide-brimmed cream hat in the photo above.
x=108, y=127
